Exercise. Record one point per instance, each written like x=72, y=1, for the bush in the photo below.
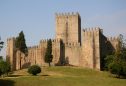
x=115, y=68
x=4, y=68
x=123, y=64
x=34, y=69
x=118, y=68
x=108, y=60
x=0, y=72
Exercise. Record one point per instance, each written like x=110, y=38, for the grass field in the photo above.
x=62, y=76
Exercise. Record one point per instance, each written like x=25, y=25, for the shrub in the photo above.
x=34, y=69
x=115, y=68
x=0, y=72
x=4, y=68
x=123, y=64
x=108, y=60
x=118, y=68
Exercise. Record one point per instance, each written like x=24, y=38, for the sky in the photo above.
x=37, y=17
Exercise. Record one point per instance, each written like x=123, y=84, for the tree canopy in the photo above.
x=1, y=44
x=21, y=43
x=48, y=54
x=116, y=63
x=4, y=67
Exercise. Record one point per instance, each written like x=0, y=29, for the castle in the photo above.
x=71, y=46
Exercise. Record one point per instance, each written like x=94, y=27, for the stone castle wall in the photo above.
x=72, y=53
x=19, y=60
x=10, y=52
x=67, y=47
x=114, y=41
x=68, y=27
x=91, y=48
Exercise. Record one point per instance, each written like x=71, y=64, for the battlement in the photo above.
x=89, y=31
x=112, y=38
x=12, y=38
x=33, y=47
x=66, y=14
x=95, y=29
x=46, y=40
x=72, y=44
x=56, y=40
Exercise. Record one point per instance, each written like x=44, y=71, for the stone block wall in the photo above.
x=68, y=27
x=91, y=48
x=72, y=53
x=11, y=52
x=67, y=48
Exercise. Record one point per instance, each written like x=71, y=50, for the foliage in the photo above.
x=115, y=68
x=1, y=44
x=48, y=55
x=1, y=58
x=108, y=60
x=34, y=69
x=4, y=67
x=116, y=63
x=20, y=43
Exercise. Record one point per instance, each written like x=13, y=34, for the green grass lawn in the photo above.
x=62, y=76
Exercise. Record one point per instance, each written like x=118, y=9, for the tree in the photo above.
x=48, y=55
x=117, y=62
x=1, y=44
x=118, y=68
x=20, y=43
x=4, y=67
x=34, y=69
x=1, y=58
x=109, y=59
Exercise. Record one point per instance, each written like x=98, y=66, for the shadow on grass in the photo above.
x=15, y=75
x=116, y=76
x=6, y=82
x=45, y=75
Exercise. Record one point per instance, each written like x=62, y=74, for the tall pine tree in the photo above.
x=48, y=54
x=1, y=44
x=20, y=43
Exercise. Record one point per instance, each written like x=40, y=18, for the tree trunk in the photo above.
x=49, y=64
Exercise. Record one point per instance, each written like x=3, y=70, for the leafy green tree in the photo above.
x=1, y=58
x=109, y=59
x=1, y=44
x=34, y=69
x=20, y=43
x=115, y=68
x=116, y=63
x=4, y=67
x=48, y=55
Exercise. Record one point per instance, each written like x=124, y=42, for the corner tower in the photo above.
x=68, y=27
x=11, y=52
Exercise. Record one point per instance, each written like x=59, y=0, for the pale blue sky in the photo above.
x=37, y=17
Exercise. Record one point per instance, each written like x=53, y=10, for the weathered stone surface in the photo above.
x=67, y=47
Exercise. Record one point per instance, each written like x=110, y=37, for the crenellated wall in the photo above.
x=68, y=27
x=10, y=52
x=67, y=48
x=114, y=41
x=91, y=48
x=56, y=50
x=72, y=53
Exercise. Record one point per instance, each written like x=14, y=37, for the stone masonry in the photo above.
x=67, y=48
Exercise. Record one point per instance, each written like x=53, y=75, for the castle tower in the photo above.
x=68, y=27
x=10, y=52
x=91, y=48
